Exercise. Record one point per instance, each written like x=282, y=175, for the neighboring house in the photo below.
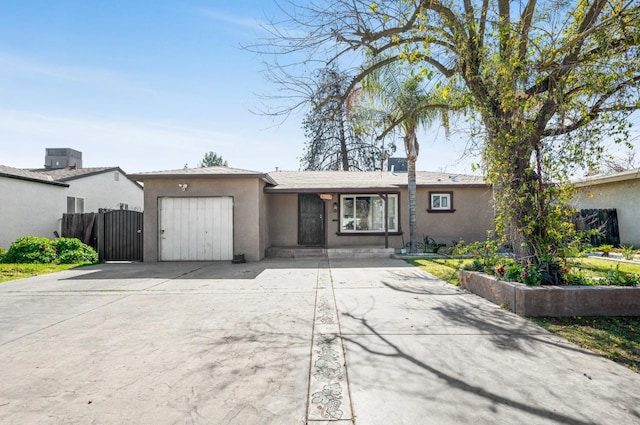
x=214, y=213
x=620, y=191
x=33, y=201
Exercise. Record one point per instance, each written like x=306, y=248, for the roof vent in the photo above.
x=454, y=179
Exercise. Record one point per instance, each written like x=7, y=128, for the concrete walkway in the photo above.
x=267, y=343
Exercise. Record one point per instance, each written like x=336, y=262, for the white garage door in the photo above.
x=196, y=229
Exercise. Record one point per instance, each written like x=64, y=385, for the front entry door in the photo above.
x=310, y=220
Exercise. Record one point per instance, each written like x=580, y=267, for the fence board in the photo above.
x=603, y=220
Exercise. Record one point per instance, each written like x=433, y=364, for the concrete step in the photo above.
x=296, y=252
x=360, y=252
x=344, y=252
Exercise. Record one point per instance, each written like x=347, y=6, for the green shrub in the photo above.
x=605, y=249
x=531, y=276
x=485, y=254
x=30, y=250
x=429, y=245
x=576, y=248
x=475, y=266
x=71, y=250
x=615, y=277
x=576, y=277
x=3, y=252
x=513, y=273
x=628, y=252
x=33, y=249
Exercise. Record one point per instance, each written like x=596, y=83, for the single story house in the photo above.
x=618, y=190
x=217, y=212
x=33, y=201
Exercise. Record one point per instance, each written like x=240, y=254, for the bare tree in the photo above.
x=625, y=161
x=337, y=138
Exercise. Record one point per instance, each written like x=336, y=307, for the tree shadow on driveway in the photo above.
x=383, y=347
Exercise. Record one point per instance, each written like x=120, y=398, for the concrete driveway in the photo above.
x=267, y=343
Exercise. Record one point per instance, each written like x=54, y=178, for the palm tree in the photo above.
x=406, y=106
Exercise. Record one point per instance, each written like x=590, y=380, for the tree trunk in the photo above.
x=520, y=193
x=411, y=147
x=343, y=147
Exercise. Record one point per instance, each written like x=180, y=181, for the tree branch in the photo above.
x=571, y=58
x=596, y=109
x=526, y=19
x=483, y=23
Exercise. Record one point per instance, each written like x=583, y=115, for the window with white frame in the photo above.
x=75, y=205
x=365, y=213
x=441, y=202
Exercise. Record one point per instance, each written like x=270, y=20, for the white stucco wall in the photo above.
x=624, y=196
x=104, y=191
x=29, y=209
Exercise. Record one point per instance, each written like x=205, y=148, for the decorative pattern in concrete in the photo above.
x=328, y=387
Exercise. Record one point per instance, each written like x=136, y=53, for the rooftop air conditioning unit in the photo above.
x=57, y=158
x=398, y=165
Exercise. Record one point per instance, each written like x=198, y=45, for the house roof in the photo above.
x=29, y=175
x=609, y=178
x=364, y=181
x=66, y=174
x=57, y=177
x=203, y=172
x=322, y=181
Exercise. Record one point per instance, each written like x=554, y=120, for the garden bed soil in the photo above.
x=554, y=301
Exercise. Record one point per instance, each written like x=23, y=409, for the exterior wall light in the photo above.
x=183, y=186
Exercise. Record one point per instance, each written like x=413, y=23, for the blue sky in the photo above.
x=149, y=85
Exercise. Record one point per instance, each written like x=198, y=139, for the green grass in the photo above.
x=19, y=271
x=443, y=268
x=616, y=338
x=600, y=265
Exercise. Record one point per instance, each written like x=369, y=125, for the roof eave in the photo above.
x=93, y=173
x=340, y=190
x=614, y=178
x=29, y=179
x=388, y=189
x=143, y=177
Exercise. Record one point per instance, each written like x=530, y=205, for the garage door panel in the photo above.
x=196, y=229
x=202, y=216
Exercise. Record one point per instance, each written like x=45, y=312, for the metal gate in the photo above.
x=122, y=235
x=116, y=235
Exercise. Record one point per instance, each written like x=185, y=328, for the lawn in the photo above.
x=601, y=265
x=616, y=338
x=19, y=271
x=444, y=268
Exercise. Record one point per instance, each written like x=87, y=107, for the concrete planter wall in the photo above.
x=555, y=301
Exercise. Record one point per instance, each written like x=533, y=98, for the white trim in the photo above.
x=610, y=178
x=442, y=196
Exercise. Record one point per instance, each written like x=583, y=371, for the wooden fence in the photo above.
x=604, y=220
x=116, y=235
